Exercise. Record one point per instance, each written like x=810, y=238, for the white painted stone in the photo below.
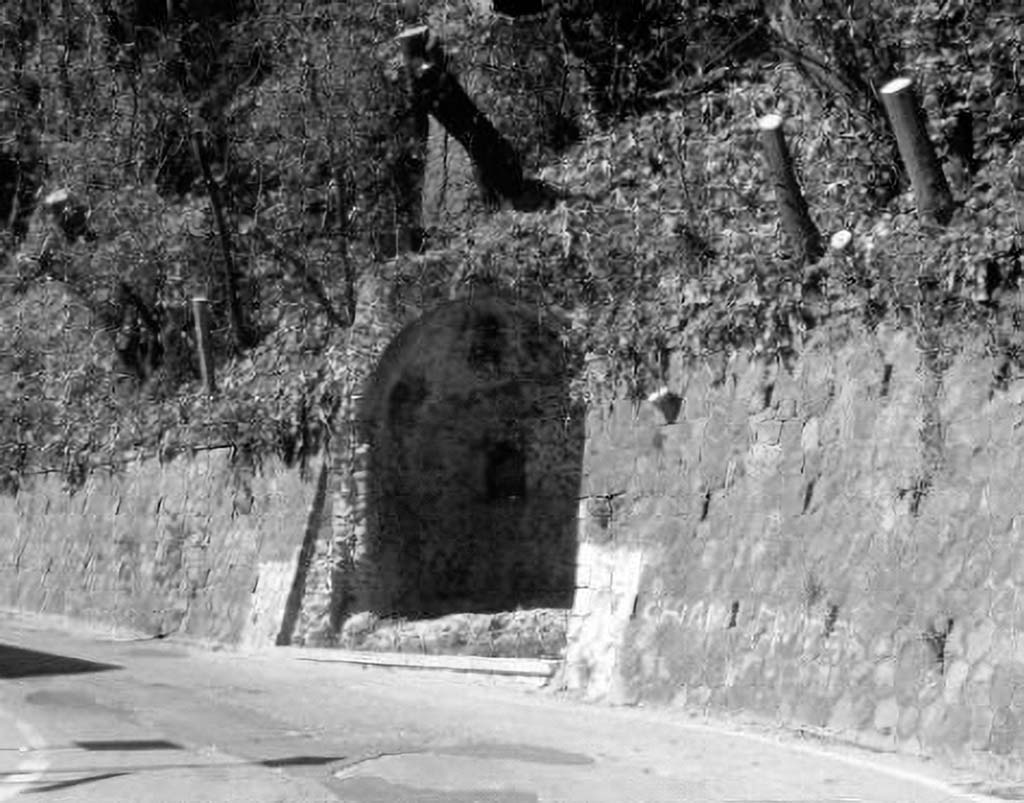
x=600, y=618
x=979, y=640
x=810, y=438
x=956, y=674
x=269, y=601
x=887, y=715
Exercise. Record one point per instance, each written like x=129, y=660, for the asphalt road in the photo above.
x=90, y=718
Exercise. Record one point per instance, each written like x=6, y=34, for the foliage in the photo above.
x=963, y=54
x=516, y=72
x=633, y=51
x=666, y=241
x=309, y=145
x=671, y=244
x=67, y=410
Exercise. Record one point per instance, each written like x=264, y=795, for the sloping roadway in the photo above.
x=92, y=718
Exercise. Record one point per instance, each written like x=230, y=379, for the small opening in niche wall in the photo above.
x=808, y=495
x=487, y=347
x=935, y=636
x=506, y=472
x=831, y=616
x=1001, y=379
x=886, y=380
x=405, y=399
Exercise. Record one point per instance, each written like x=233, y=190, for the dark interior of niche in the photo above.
x=405, y=399
x=487, y=344
x=505, y=474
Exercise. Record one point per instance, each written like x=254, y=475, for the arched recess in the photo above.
x=475, y=453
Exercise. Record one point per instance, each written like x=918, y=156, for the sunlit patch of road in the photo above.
x=23, y=743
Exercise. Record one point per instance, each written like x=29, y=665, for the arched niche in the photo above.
x=475, y=453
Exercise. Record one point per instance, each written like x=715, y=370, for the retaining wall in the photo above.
x=841, y=546
x=195, y=547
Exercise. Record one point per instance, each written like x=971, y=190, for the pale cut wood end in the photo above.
x=896, y=85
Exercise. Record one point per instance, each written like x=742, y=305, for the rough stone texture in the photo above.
x=536, y=633
x=606, y=587
x=459, y=474
x=841, y=546
x=196, y=547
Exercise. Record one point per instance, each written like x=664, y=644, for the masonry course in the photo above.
x=836, y=545
x=801, y=545
x=197, y=547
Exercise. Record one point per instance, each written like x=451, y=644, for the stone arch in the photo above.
x=474, y=454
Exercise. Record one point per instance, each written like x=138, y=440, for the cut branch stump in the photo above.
x=497, y=164
x=934, y=200
x=796, y=219
x=201, y=313
x=236, y=317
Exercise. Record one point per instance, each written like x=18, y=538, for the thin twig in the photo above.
x=238, y=330
x=316, y=289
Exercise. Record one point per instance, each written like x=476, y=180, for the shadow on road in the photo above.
x=106, y=773
x=17, y=662
x=60, y=785
x=300, y=761
x=126, y=745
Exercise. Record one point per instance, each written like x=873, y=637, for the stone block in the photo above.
x=915, y=664
x=978, y=686
x=1005, y=732
x=887, y=716
x=954, y=679
x=979, y=640
x=955, y=729
x=906, y=726
x=982, y=719
x=1007, y=686
x=884, y=674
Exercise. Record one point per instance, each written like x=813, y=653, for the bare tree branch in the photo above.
x=315, y=287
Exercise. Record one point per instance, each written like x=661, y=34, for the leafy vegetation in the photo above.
x=666, y=240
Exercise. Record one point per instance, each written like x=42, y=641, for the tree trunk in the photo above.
x=796, y=219
x=201, y=313
x=236, y=318
x=934, y=200
x=499, y=171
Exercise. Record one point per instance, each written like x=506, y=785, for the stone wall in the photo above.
x=839, y=546
x=457, y=474
x=196, y=547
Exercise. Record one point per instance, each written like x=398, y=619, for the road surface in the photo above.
x=90, y=718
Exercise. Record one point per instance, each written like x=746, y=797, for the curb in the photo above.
x=520, y=667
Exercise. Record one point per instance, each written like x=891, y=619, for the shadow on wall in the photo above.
x=475, y=463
